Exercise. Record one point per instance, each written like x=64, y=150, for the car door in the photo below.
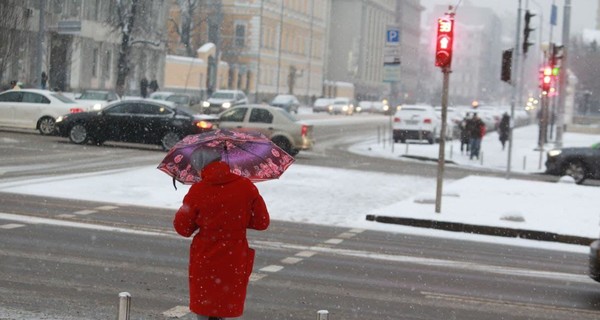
x=8, y=104
x=153, y=122
x=118, y=121
x=261, y=120
x=233, y=119
x=31, y=109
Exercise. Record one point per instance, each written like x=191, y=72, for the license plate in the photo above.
x=412, y=121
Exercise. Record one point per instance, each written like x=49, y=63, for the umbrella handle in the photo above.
x=174, y=186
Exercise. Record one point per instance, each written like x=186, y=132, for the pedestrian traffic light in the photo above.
x=546, y=78
x=555, y=55
x=506, y=65
x=443, y=50
x=527, y=31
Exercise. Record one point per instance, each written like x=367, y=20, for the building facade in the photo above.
x=356, y=43
x=408, y=18
x=81, y=44
x=270, y=46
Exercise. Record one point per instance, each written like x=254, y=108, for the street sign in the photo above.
x=392, y=37
x=391, y=54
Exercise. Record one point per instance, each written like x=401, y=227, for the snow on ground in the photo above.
x=343, y=198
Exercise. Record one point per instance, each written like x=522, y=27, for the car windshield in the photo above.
x=340, y=102
x=159, y=96
x=223, y=95
x=282, y=99
x=62, y=98
x=93, y=95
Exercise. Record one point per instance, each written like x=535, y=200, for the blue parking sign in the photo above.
x=393, y=36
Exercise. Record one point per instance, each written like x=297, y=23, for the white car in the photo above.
x=35, y=109
x=416, y=122
x=97, y=99
x=322, y=105
x=222, y=100
x=342, y=106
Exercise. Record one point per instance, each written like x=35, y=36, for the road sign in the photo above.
x=392, y=36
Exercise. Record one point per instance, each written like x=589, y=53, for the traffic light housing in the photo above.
x=546, y=78
x=526, y=31
x=555, y=55
x=506, y=65
x=445, y=39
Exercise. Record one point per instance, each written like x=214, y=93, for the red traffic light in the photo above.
x=546, y=78
x=443, y=50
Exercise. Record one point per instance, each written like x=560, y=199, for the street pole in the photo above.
x=441, y=154
x=260, y=44
x=279, y=49
x=515, y=83
x=562, y=76
x=37, y=78
x=310, y=48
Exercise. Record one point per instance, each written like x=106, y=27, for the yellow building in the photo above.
x=270, y=46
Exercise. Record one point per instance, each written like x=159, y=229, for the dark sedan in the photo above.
x=580, y=163
x=137, y=121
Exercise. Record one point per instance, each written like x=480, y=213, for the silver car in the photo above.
x=277, y=124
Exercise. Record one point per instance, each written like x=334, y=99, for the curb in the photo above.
x=485, y=230
x=425, y=158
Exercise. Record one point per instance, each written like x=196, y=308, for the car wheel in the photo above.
x=46, y=125
x=284, y=144
x=294, y=152
x=576, y=170
x=78, y=134
x=169, y=140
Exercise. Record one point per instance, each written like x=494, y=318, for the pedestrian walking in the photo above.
x=503, y=128
x=464, y=133
x=153, y=85
x=44, y=80
x=220, y=208
x=476, y=133
x=144, y=87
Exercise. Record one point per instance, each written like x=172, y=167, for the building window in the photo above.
x=95, y=63
x=107, y=64
x=240, y=35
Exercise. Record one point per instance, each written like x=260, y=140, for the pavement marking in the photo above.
x=256, y=276
x=357, y=230
x=334, y=241
x=291, y=260
x=272, y=268
x=66, y=215
x=106, y=208
x=11, y=226
x=84, y=212
x=177, y=312
x=306, y=254
x=346, y=235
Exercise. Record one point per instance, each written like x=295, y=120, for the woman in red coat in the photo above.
x=221, y=207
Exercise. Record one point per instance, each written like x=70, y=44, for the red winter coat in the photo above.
x=221, y=206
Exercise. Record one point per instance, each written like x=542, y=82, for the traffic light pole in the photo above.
x=441, y=154
x=562, y=76
x=515, y=83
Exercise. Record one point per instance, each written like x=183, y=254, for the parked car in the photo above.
x=35, y=109
x=322, y=105
x=222, y=100
x=138, y=121
x=594, y=261
x=287, y=102
x=580, y=163
x=179, y=99
x=277, y=124
x=342, y=106
x=97, y=99
x=416, y=122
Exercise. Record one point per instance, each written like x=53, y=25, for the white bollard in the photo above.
x=322, y=315
x=451, y=149
x=124, y=306
x=406, y=143
x=524, y=163
x=481, y=157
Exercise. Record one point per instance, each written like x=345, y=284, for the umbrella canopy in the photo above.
x=250, y=155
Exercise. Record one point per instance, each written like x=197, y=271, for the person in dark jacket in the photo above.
x=220, y=208
x=476, y=133
x=503, y=128
x=464, y=133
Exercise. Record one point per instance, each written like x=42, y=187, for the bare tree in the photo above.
x=12, y=22
x=186, y=25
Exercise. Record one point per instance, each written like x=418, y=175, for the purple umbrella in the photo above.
x=250, y=155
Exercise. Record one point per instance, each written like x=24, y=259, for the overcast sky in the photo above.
x=583, y=12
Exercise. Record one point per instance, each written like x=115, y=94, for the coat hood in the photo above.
x=218, y=173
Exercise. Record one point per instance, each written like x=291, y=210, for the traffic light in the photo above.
x=555, y=55
x=506, y=65
x=546, y=78
x=443, y=50
x=527, y=31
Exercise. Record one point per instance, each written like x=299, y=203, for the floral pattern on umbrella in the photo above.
x=250, y=155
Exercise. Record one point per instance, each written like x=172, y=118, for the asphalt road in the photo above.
x=63, y=259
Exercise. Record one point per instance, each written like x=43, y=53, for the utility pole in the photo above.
x=562, y=76
x=516, y=82
x=37, y=78
x=310, y=48
x=260, y=45
x=279, y=49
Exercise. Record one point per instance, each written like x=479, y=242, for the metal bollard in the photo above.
x=378, y=134
x=451, y=149
x=524, y=163
x=322, y=315
x=124, y=306
x=406, y=143
x=481, y=153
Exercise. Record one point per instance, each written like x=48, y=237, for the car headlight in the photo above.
x=330, y=108
x=386, y=107
x=97, y=106
x=226, y=105
x=205, y=104
x=554, y=153
x=60, y=119
x=358, y=109
x=345, y=108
